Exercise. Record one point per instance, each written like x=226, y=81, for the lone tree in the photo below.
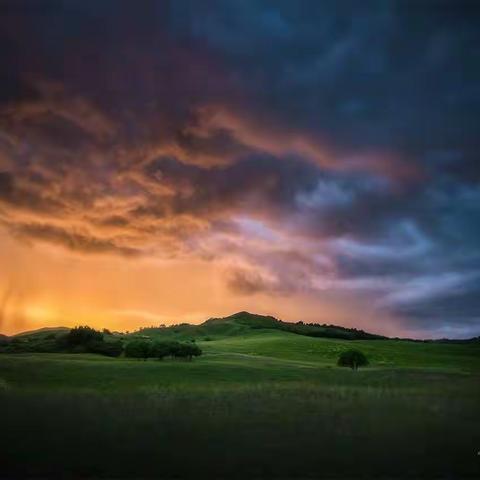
x=352, y=359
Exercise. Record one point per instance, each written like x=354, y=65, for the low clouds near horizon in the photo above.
x=311, y=158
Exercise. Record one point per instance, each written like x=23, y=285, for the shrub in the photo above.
x=352, y=359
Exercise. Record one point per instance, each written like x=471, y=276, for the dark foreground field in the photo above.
x=265, y=405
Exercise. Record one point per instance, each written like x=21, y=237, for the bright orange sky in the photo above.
x=43, y=286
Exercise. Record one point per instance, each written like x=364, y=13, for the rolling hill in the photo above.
x=243, y=322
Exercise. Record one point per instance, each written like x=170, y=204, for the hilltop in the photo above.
x=243, y=322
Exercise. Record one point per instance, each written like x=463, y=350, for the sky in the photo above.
x=165, y=162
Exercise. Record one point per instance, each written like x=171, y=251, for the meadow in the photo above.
x=257, y=404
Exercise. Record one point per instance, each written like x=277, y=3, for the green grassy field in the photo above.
x=258, y=404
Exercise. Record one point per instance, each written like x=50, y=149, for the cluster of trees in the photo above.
x=86, y=339
x=329, y=331
x=145, y=349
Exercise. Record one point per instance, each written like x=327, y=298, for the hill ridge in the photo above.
x=258, y=321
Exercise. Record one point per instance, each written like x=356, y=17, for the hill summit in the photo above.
x=243, y=322
x=252, y=320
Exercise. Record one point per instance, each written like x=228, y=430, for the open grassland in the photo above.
x=390, y=353
x=260, y=404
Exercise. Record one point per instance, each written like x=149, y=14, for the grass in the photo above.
x=258, y=404
x=391, y=353
x=244, y=433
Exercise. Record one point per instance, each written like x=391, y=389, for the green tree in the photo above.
x=352, y=359
x=187, y=350
x=138, y=349
x=193, y=351
x=175, y=349
x=160, y=350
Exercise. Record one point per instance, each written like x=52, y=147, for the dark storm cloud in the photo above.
x=253, y=183
x=390, y=74
x=346, y=131
x=457, y=307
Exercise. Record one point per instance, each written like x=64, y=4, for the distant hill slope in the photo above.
x=45, y=331
x=244, y=322
x=36, y=339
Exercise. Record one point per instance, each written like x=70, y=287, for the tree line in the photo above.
x=84, y=339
